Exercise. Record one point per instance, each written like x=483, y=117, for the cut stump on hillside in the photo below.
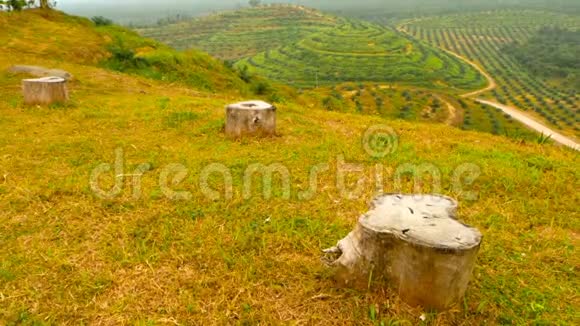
x=413, y=244
x=44, y=91
x=251, y=118
x=38, y=71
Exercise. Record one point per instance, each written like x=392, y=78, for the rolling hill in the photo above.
x=308, y=48
x=146, y=257
x=305, y=48
x=233, y=35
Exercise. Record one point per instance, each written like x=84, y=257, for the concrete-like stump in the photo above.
x=38, y=71
x=251, y=118
x=412, y=243
x=44, y=91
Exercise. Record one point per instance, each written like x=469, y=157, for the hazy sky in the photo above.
x=151, y=10
x=135, y=10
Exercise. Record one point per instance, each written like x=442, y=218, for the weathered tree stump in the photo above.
x=414, y=244
x=254, y=118
x=44, y=91
x=38, y=71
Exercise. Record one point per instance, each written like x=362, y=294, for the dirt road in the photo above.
x=452, y=111
x=513, y=112
x=531, y=123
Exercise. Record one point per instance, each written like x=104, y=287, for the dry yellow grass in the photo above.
x=68, y=257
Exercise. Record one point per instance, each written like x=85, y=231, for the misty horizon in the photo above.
x=147, y=11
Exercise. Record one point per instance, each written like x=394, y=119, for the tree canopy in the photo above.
x=551, y=54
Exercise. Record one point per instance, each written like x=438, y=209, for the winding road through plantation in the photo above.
x=515, y=113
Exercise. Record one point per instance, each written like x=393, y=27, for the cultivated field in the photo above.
x=305, y=48
x=358, y=51
x=421, y=105
x=483, y=37
x=386, y=73
x=236, y=34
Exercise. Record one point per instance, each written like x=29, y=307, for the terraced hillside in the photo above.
x=237, y=34
x=482, y=38
x=420, y=105
x=305, y=48
x=361, y=51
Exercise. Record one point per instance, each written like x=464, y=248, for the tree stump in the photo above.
x=44, y=91
x=255, y=118
x=414, y=244
x=38, y=71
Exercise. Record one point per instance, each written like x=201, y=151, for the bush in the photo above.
x=244, y=74
x=123, y=58
x=102, y=21
x=261, y=88
x=332, y=104
x=276, y=98
x=12, y=5
x=157, y=64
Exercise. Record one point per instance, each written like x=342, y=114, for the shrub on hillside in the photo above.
x=331, y=103
x=102, y=21
x=12, y=5
x=261, y=87
x=145, y=59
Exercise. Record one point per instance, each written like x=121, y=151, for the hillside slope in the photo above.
x=233, y=35
x=303, y=47
x=57, y=38
x=154, y=255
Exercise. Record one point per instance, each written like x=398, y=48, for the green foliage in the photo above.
x=244, y=73
x=306, y=48
x=543, y=139
x=13, y=5
x=358, y=51
x=131, y=53
x=102, y=21
x=261, y=87
x=237, y=34
x=531, y=55
x=255, y=3
x=332, y=104
x=551, y=53
x=18, y=5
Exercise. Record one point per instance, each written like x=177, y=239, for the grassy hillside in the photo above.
x=141, y=257
x=109, y=46
x=304, y=48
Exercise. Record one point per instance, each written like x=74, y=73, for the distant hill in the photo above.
x=242, y=33
x=304, y=47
